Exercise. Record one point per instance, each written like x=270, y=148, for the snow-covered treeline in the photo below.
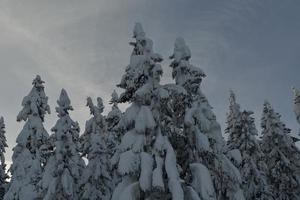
x=167, y=144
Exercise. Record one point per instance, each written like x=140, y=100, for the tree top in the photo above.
x=64, y=103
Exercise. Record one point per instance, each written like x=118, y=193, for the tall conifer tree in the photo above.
x=27, y=156
x=3, y=145
x=282, y=155
x=63, y=170
x=205, y=168
x=244, y=148
x=115, y=133
x=146, y=160
x=96, y=178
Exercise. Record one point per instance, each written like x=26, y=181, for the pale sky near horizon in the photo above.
x=251, y=47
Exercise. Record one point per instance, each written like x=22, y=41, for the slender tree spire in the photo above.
x=114, y=116
x=233, y=121
x=115, y=133
x=297, y=103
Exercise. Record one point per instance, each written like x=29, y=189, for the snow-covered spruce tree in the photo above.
x=146, y=160
x=283, y=157
x=112, y=119
x=27, y=157
x=296, y=137
x=115, y=132
x=208, y=173
x=64, y=168
x=3, y=145
x=297, y=104
x=96, y=178
x=244, y=149
x=233, y=121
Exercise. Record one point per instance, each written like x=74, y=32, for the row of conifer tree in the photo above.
x=166, y=145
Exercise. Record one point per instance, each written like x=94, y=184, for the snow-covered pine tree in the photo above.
x=3, y=145
x=96, y=180
x=283, y=157
x=208, y=173
x=27, y=157
x=146, y=160
x=244, y=149
x=63, y=170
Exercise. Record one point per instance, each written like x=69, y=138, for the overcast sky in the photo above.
x=251, y=47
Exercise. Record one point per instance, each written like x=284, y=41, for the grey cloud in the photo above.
x=248, y=46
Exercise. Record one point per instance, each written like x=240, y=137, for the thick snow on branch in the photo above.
x=202, y=182
x=174, y=181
